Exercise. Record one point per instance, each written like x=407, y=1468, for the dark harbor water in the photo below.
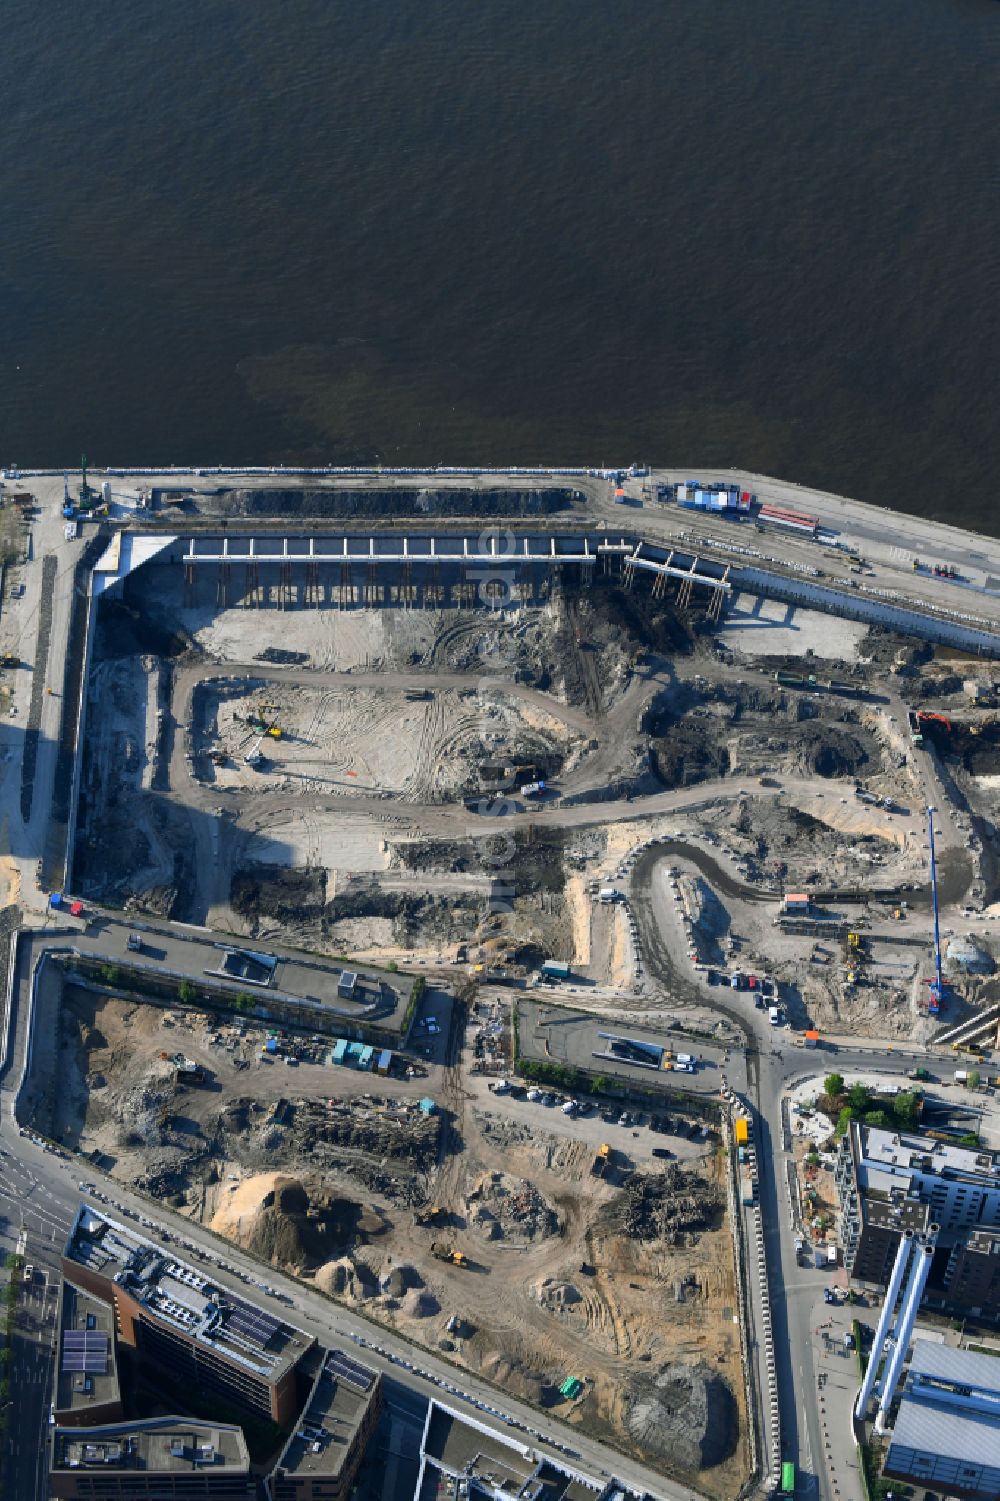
x=583, y=230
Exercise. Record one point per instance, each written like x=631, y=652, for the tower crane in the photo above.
x=937, y=984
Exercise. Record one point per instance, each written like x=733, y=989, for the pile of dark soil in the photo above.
x=833, y=751
x=684, y=1414
x=671, y=1206
x=689, y=754
x=284, y=894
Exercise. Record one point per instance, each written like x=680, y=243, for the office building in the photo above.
x=85, y=1380
x=462, y=1457
x=158, y=1458
x=200, y=1335
x=321, y=1458
x=946, y=1436
x=892, y=1182
x=972, y=1276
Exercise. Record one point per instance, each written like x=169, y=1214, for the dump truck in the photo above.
x=602, y=1161
x=448, y=1253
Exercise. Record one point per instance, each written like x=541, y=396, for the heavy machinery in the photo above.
x=448, y=1253
x=936, y=993
x=925, y=717
x=602, y=1160
x=432, y=1216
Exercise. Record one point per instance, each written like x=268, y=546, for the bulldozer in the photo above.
x=448, y=1253
x=435, y=1215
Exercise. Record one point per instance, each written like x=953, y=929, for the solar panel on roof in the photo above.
x=253, y=1323
x=85, y=1350
x=350, y=1371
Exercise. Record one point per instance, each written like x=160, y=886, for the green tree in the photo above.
x=110, y=974
x=833, y=1086
x=876, y=1118
x=600, y=1084
x=970, y=1139
x=858, y=1097
x=906, y=1110
x=844, y=1120
x=186, y=991
x=973, y=1080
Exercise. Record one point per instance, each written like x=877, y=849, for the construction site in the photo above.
x=657, y=803
x=346, y=786
x=587, y=1277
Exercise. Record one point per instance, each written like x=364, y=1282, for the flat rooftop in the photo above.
x=87, y=1372
x=461, y=1456
x=893, y=1210
x=369, y=994
x=907, y=1152
x=182, y=1298
x=153, y=1446
x=462, y=1449
x=342, y=1396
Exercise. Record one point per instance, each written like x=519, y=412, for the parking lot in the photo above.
x=549, y=1033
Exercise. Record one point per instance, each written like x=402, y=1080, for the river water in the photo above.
x=763, y=234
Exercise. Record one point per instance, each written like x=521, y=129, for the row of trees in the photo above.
x=899, y=1112
x=563, y=1075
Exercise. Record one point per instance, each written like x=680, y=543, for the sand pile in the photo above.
x=291, y=1222
x=346, y=1279
x=420, y=1304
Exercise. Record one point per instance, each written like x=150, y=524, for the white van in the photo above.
x=774, y=1016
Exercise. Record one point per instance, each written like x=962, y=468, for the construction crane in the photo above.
x=254, y=758
x=937, y=984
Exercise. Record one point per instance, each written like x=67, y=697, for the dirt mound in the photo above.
x=420, y=1304
x=512, y=1375
x=687, y=755
x=502, y=1207
x=554, y=1294
x=346, y=1279
x=289, y=1222
x=671, y=1206
x=685, y=1414
x=284, y=895
x=831, y=751
x=401, y=1280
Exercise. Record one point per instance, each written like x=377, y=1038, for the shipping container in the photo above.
x=788, y=521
